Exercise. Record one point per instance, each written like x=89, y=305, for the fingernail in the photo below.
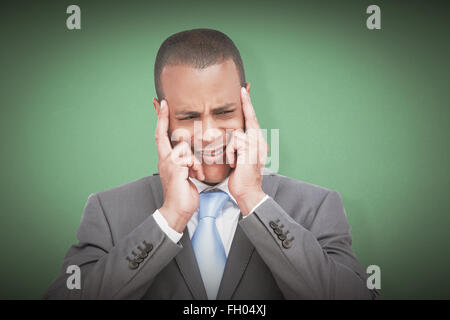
x=244, y=91
x=163, y=104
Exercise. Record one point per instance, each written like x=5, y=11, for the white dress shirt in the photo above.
x=226, y=220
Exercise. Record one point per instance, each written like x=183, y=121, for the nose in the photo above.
x=211, y=133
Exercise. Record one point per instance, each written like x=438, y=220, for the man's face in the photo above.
x=210, y=98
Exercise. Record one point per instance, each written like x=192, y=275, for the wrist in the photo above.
x=174, y=220
x=248, y=201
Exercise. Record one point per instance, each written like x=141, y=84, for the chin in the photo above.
x=215, y=173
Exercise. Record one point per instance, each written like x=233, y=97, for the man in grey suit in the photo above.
x=211, y=224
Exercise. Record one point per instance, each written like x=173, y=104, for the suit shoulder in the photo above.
x=131, y=189
x=287, y=182
x=302, y=190
x=302, y=200
x=126, y=206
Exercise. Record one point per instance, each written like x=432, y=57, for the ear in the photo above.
x=156, y=105
x=247, y=86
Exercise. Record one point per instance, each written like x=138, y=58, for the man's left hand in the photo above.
x=246, y=153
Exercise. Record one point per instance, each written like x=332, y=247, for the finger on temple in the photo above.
x=161, y=136
x=249, y=112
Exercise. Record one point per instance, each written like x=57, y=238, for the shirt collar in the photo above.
x=201, y=186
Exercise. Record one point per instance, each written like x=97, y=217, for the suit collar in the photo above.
x=201, y=186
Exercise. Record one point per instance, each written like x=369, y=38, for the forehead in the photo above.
x=184, y=85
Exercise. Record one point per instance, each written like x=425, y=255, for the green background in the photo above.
x=363, y=112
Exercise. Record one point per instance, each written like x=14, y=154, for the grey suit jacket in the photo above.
x=296, y=245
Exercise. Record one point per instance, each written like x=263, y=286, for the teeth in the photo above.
x=212, y=153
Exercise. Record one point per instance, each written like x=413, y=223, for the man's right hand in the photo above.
x=175, y=166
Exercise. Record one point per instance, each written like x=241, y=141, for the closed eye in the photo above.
x=188, y=118
x=224, y=112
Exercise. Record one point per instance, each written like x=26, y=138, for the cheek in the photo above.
x=181, y=133
x=234, y=123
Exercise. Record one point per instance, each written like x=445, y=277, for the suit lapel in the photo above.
x=241, y=251
x=189, y=268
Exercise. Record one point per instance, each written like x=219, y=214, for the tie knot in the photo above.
x=211, y=203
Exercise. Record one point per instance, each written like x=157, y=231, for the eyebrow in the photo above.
x=196, y=114
x=224, y=107
x=187, y=113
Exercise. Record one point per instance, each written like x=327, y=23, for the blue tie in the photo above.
x=206, y=242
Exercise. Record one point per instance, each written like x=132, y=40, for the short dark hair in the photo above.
x=199, y=48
